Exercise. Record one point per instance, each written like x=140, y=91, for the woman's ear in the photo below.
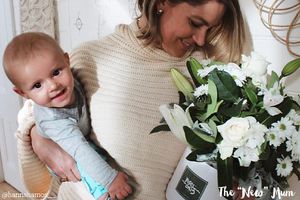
x=161, y=6
x=20, y=92
x=67, y=58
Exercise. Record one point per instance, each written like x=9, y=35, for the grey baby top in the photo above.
x=68, y=128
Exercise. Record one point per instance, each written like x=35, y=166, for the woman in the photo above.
x=126, y=78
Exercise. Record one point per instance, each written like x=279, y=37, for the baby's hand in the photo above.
x=119, y=188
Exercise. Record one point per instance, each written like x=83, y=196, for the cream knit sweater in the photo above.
x=125, y=83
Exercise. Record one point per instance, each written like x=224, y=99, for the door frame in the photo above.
x=11, y=103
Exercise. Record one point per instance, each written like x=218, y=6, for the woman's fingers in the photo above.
x=72, y=174
x=76, y=173
x=62, y=164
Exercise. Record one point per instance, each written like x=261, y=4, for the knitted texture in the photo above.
x=125, y=83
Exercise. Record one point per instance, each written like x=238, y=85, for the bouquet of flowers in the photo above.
x=238, y=119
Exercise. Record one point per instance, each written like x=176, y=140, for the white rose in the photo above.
x=254, y=65
x=234, y=133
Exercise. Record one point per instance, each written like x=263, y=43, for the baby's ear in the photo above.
x=67, y=58
x=20, y=92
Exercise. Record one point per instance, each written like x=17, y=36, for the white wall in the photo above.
x=83, y=20
x=267, y=45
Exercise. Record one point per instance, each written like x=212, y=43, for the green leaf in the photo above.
x=284, y=107
x=290, y=68
x=214, y=105
x=251, y=94
x=182, y=98
x=265, y=151
x=193, y=155
x=273, y=79
x=193, y=66
x=226, y=86
x=163, y=127
x=231, y=111
x=213, y=93
x=204, y=136
x=213, y=127
x=195, y=141
x=225, y=173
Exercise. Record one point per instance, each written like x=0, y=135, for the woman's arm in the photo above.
x=54, y=157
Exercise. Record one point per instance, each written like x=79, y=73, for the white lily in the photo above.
x=176, y=119
x=246, y=155
x=272, y=97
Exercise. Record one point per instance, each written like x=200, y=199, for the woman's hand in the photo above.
x=54, y=157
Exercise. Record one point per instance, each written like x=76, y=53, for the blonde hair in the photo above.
x=24, y=47
x=224, y=42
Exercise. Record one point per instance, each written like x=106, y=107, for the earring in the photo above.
x=160, y=11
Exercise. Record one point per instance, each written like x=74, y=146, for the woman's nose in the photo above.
x=200, y=35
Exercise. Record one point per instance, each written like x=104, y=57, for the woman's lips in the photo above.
x=186, y=44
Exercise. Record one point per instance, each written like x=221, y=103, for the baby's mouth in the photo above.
x=59, y=94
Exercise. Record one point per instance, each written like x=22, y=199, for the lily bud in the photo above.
x=290, y=67
x=193, y=66
x=182, y=84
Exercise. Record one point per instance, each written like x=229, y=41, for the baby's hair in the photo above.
x=24, y=47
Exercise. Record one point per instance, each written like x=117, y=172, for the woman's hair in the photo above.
x=224, y=42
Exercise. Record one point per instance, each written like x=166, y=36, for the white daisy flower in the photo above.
x=293, y=145
x=274, y=137
x=201, y=90
x=285, y=127
x=235, y=71
x=294, y=116
x=284, y=166
x=205, y=71
x=205, y=62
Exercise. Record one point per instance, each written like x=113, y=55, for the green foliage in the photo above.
x=226, y=86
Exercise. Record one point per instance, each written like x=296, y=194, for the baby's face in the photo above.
x=47, y=80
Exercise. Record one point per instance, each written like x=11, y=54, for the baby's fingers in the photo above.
x=128, y=189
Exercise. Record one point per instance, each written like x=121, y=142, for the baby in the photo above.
x=40, y=71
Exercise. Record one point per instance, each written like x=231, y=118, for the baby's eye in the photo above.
x=56, y=72
x=37, y=85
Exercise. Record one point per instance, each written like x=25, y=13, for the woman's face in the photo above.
x=184, y=26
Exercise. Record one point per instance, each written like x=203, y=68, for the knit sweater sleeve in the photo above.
x=34, y=173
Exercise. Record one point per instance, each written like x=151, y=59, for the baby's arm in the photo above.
x=67, y=134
